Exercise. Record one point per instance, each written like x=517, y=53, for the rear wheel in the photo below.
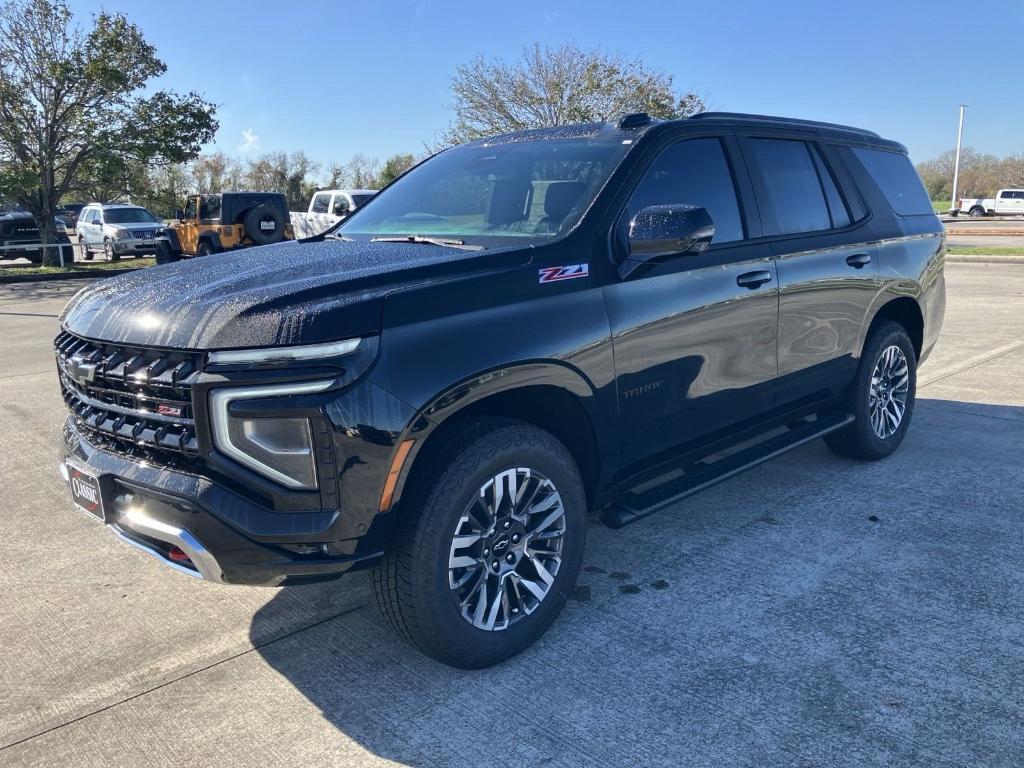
x=204, y=248
x=86, y=253
x=489, y=547
x=977, y=212
x=881, y=397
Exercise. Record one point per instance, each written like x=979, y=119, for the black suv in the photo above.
x=599, y=317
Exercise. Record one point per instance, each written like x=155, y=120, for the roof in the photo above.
x=724, y=119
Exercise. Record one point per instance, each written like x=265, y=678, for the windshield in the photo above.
x=128, y=216
x=533, y=190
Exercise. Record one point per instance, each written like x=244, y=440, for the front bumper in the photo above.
x=172, y=515
x=136, y=246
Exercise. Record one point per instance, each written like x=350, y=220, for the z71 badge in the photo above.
x=554, y=274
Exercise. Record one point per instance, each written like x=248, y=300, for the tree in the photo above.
x=556, y=86
x=394, y=167
x=283, y=172
x=980, y=174
x=72, y=100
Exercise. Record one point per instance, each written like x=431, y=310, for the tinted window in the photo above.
x=128, y=216
x=360, y=199
x=693, y=172
x=794, y=199
x=341, y=206
x=321, y=203
x=836, y=206
x=897, y=179
x=209, y=208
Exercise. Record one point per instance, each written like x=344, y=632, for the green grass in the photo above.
x=80, y=268
x=942, y=206
x=986, y=251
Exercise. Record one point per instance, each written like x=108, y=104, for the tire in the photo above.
x=417, y=583
x=977, y=212
x=86, y=253
x=862, y=439
x=109, y=252
x=165, y=254
x=264, y=215
x=204, y=248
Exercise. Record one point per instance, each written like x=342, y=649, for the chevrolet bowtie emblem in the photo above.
x=81, y=371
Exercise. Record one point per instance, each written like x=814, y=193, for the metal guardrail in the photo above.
x=38, y=247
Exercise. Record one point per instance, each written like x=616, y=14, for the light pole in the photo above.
x=956, y=162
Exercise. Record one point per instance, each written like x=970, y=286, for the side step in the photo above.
x=633, y=506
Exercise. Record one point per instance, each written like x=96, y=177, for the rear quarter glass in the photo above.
x=898, y=181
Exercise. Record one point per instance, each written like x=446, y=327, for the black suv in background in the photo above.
x=599, y=317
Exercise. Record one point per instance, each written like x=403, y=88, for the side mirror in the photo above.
x=659, y=232
x=179, y=214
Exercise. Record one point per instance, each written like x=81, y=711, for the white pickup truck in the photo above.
x=1007, y=202
x=327, y=208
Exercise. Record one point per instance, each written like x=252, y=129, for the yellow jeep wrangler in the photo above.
x=226, y=221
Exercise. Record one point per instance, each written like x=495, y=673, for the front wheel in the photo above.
x=489, y=545
x=108, y=250
x=881, y=397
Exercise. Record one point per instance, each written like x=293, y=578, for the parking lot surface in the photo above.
x=814, y=611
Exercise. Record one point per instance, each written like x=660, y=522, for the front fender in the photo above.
x=456, y=399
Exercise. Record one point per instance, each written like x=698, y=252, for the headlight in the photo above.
x=277, y=354
x=278, y=447
x=122, y=234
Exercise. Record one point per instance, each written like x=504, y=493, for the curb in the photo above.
x=981, y=258
x=84, y=274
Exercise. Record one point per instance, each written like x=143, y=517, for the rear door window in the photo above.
x=836, y=206
x=693, y=172
x=321, y=203
x=793, y=200
x=897, y=179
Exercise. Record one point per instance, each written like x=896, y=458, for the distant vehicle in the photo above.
x=69, y=214
x=19, y=237
x=1007, y=202
x=118, y=229
x=225, y=222
x=327, y=208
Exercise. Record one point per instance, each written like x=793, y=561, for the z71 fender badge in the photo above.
x=554, y=274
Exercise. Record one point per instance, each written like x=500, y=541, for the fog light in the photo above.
x=178, y=555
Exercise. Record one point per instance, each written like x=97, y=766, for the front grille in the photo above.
x=143, y=234
x=134, y=397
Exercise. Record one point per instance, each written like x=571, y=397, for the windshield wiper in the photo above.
x=451, y=243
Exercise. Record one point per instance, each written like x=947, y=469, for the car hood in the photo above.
x=289, y=293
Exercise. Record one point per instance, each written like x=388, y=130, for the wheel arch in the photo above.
x=212, y=237
x=907, y=312
x=554, y=398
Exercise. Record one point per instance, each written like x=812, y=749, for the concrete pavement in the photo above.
x=815, y=611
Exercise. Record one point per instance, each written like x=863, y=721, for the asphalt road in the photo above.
x=814, y=611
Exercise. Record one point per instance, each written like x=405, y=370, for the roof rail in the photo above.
x=634, y=120
x=785, y=120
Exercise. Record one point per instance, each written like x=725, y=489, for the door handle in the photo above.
x=753, y=280
x=858, y=260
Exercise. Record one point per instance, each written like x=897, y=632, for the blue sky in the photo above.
x=335, y=78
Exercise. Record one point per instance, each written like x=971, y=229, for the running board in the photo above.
x=631, y=507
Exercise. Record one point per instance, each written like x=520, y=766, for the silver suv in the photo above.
x=118, y=229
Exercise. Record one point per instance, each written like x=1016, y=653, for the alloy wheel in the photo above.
x=890, y=385
x=507, y=549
